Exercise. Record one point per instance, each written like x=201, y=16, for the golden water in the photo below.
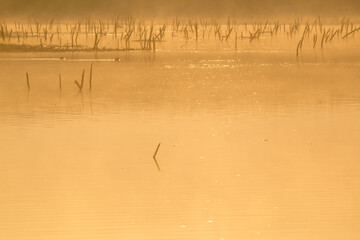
x=254, y=145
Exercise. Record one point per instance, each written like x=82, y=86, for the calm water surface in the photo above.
x=254, y=145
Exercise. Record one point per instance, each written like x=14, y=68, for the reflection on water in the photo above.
x=250, y=149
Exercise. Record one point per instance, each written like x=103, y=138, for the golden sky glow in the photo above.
x=185, y=7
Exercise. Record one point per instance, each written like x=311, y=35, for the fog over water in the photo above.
x=156, y=8
x=179, y=120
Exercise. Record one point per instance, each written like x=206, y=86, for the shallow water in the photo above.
x=254, y=145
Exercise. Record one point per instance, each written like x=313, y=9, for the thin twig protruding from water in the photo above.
x=27, y=81
x=80, y=86
x=90, y=81
x=82, y=79
x=77, y=84
x=60, y=81
x=154, y=157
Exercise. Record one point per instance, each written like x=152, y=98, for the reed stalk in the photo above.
x=60, y=81
x=27, y=81
x=236, y=41
x=352, y=32
x=299, y=47
x=80, y=86
x=90, y=80
x=314, y=40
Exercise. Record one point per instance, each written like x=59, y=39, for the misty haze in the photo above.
x=193, y=8
x=214, y=120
